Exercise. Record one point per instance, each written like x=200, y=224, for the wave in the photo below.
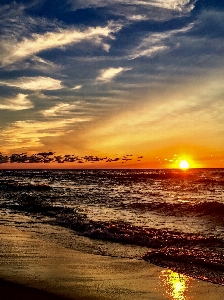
x=206, y=264
x=191, y=254
x=14, y=186
x=117, y=231
x=213, y=208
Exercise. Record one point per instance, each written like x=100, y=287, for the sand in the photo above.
x=10, y=291
x=33, y=268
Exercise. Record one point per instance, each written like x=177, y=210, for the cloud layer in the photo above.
x=106, y=77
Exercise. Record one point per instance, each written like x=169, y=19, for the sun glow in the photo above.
x=176, y=284
x=184, y=165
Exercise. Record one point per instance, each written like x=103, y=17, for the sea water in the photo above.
x=171, y=218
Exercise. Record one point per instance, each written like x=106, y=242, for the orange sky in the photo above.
x=147, y=81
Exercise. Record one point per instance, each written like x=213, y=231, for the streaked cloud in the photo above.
x=16, y=51
x=35, y=63
x=151, y=9
x=171, y=4
x=157, y=42
x=20, y=102
x=108, y=74
x=137, y=18
x=58, y=109
x=34, y=83
x=77, y=87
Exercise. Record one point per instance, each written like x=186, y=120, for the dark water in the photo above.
x=171, y=218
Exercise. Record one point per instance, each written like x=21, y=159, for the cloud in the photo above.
x=34, y=83
x=137, y=17
x=54, y=111
x=151, y=9
x=77, y=87
x=156, y=42
x=171, y=4
x=39, y=95
x=19, y=103
x=25, y=134
x=16, y=51
x=79, y=108
x=178, y=5
x=108, y=74
x=35, y=63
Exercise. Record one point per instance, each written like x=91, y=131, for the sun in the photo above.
x=184, y=165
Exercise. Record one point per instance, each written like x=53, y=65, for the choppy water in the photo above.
x=171, y=218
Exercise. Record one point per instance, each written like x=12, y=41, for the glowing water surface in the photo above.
x=176, y=284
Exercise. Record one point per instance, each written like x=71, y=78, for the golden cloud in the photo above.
x=34, y=83
x=20, y=102
x=110, y=73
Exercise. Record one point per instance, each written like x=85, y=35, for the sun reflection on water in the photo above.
x=175, y=284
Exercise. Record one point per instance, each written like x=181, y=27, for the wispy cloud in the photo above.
x=77, y=87
x=150, y=9
x=78, y=109
x=108, y=74
x=34, y=83
x=16, y=51
x=20, y=102
x=35, y=63
x=156, y=42
x=61, y=107
x=171, y=4
x=137, y=18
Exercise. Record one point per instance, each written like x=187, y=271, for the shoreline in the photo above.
x=33, y=263
x=31, y=267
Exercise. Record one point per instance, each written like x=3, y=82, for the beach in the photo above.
x=32, y=267
x=112, y=235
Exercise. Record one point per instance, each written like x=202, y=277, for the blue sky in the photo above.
x=113, y=77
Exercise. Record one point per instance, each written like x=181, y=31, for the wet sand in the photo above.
x=32, y=268
x=11, y=291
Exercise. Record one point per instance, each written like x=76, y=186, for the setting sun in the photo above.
x=184, y=165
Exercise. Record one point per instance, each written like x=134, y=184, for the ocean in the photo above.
x=170, y=218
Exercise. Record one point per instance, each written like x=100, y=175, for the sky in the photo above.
x=111, y=83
